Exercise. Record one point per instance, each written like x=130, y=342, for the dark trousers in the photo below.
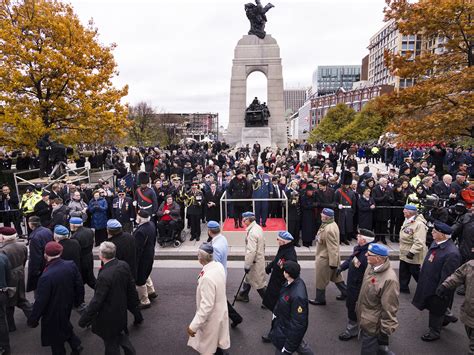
x=166, y=230
x=294, y=229
x=233, y=315
x=12, y=218
x=24, y=305
x=238, y=208
x=351, y=301
x=100, y=236
x=303, y=349
x=470, y=336
x=261, y=212
x=405, y=273
x=113, y=345
x=275, y=209
x=381, y=230
x=195, y=224
x=59, y=349
x=370, y=346
x=4, y=336
x=87, y=273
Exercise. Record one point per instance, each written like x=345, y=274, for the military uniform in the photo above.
x=412, y=250
x=194, y=213
x=262, y=187
x=239, y=189
x=346, y=201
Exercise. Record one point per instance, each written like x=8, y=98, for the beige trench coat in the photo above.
x=327, y=255
x=211, y=321
x=255, y=256
x=413, y=239
x=377, y=305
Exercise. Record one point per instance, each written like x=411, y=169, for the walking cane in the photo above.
x=241, y=283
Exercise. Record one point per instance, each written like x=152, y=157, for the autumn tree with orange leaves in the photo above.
x=440, y=107
x=55, y=77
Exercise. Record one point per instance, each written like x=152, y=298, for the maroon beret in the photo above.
x=7, y=231
x=53, y=249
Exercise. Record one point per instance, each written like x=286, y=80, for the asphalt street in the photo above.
x=164, y=328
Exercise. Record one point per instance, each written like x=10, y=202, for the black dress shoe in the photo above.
x=346, y=242
x=266, y=339
x=264, y=225
x=236, y=322
x=77, y=350
x=191, y=239
x=449, y=319
x=317, y=303
x=407, y=291
x=236, y=225
x=341, y=297
x=298, y=245
x=384, y=241
x=345, y=336
x=429, y=337
x=198, y=239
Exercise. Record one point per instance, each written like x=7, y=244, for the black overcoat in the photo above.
x=145, y=240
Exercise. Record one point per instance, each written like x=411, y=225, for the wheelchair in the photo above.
x=175, y=238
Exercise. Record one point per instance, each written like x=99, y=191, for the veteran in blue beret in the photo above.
x=254, y=265
x=442, y=259
x=412, y=239
x=378, y=302
x=286, y=251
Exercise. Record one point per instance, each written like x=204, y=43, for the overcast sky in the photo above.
x=177, y=55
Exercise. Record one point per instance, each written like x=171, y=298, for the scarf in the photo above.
x=329, y=221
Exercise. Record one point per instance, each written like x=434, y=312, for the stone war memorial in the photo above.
x=257, y=51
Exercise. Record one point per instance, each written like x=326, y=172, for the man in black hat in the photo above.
x=308, y=225
x=145, y=240
x=442, y=259
x=345, y=200
x=291, y=314
x=239, y=188
x=145, y=198
x=123, y=210
x=43, y=209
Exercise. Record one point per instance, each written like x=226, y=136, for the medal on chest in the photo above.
x=356, y=262
x=432, y=256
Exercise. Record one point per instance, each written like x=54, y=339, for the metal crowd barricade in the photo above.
x=224, y=199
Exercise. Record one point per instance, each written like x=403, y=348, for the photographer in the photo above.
x=44, y=148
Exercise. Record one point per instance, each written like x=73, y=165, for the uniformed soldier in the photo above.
x=356, y=264
x=194, y=214
x=327, y=259
x=294, y=211
x=254, y=266
x=412, y=246
x=262, y=187
x=209, y=329
x=442, y=259
x=239, y=188
x=345, y=200
x=145, y=198
x=378, y=302
x=291, y=314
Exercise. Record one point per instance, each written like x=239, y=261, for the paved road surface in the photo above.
x=164, y=329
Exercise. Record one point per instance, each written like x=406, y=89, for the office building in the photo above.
x=327, y=79
x=294, y=99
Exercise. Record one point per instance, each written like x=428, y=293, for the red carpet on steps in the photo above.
x=273, y=224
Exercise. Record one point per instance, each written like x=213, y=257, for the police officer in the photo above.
x=194, y=213
x=442, y=259
x=412, y=246
x=378, y=302
x=356, y=264
x=28, y=202
x=291, y=314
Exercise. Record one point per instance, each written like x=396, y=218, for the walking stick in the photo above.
x=241, y=283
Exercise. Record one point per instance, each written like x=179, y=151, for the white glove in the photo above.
x=134, y=203
x=340, y=206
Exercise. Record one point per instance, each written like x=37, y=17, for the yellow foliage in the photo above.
x=56, y=77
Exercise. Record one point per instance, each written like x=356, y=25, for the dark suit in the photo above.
x=383, y=197
x=115, y=293
x=60, y=288
x=212, y=213
x=43, y=211
x=275, y=206
x=124, y=212
x=442, y=190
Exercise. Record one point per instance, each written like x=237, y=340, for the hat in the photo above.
x=113, y=224
x=346, y=178
x=285, y=235
x=29, y=189
x=260, y=167
x=248, y=214
x=442, y=228
x=143, y=213
x=61, y=230
x=213, y=225
x=44, y=193
x=75, y=220
x=378, y=249
x=53, y=249
x=207, y=247
x=410, y=208
x=309, y=187
x=239, y=171
x=368, y=235
x=8, y=232
x=121, y=190
x=328, y=212
x=143, y=178
x=292, y=268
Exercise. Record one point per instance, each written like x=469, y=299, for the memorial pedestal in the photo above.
x=263, y=135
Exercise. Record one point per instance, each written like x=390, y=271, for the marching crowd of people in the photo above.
x=423, y=201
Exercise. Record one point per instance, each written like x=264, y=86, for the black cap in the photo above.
x=143, y=213
x=292, y=268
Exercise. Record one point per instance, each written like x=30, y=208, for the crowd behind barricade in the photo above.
x=334, y=193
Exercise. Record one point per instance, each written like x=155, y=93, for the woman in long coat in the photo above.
x=308, y=216
x=365, y=210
